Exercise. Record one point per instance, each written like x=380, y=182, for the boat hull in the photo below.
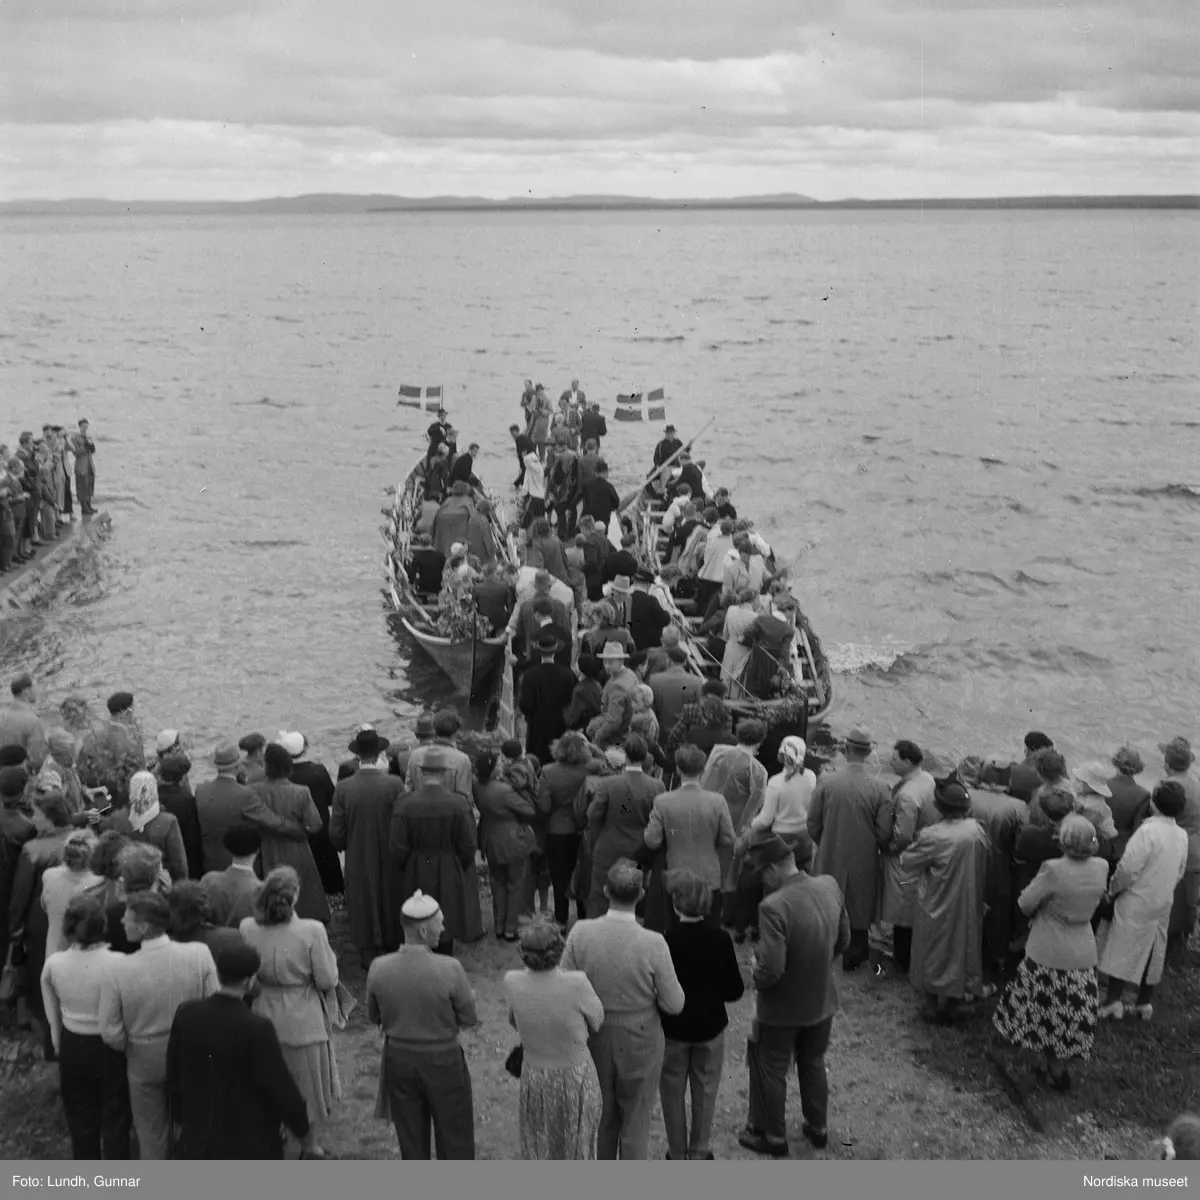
x=470, y=665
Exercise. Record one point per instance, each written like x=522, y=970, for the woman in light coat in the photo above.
x=61, y=883
x=1133, y=945
x=299, y=978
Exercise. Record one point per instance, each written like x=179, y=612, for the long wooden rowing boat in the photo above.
x=805, y=691
x=471, y=663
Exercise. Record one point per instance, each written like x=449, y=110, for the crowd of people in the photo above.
x=36, y=501
x=171, y=940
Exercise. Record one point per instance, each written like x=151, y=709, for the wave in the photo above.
x=1172, y=491
x=645, y=338
x=269, y=544
x=789, y=321
x=852, y=658
x=991, y=462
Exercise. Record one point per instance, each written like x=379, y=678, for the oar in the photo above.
x=660, y=470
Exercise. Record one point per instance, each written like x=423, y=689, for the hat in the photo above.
x=766, y=847
x=368, y=744
x=859, y=739
x=1096, y=776
x=620, y=585
x=166, y=740
x=227, y=755
x=235, y=960
x=1178, y=749
x=293, y=743
x=457, y=549
x=952, y=796
x=419, y=907
x=668, y=429
x=548, y=642
x=612, y=652
x=434, y=760
x=13, y=781
x=12, y=755
x=424, y=726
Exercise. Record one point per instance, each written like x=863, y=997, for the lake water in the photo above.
x=973, y=433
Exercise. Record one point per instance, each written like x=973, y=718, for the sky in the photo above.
x=877, y=99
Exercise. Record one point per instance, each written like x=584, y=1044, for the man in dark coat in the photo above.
x=232, y=892
x=432, y=841
x=464, y=467
x=546, y=691
x=454, y=516
x=600, y=499
x=690, y=474
x=1023, y=777
x=524, y=444
x=669, y=444
x=623, y=561
x=175, y=797
x=439, y=433
x=592, y=425
x=494, y=597
x=227, y=1081
x=360, y=824
x=315, y=777
x=222, y=803
x=596, y=549
x=647, y=620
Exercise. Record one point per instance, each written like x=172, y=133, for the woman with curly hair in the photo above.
x=555, y=1012
x=298, y=966
x=1129, y=802
x=558, y=794
x=1050, y=1008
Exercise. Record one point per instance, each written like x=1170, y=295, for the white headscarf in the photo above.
x=794, y=749
x=143, y=800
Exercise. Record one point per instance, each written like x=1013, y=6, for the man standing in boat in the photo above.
x=439, y=433
x=524, y=444
x=669, y=444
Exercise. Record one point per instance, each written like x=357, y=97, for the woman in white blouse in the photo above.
x=92, y=1077
x=785, y=805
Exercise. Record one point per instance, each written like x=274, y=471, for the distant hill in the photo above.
x=336, y=203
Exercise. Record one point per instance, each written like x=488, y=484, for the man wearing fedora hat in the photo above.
x=950, y=862
x=1178, y=759
x=616, y=700
x=432, y=842
x=546, y=691
x=850, y=821
x=223, y=802
x=360, y=824
x=667, y=446
x=803, y=926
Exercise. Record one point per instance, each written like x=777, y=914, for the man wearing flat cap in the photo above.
x=803, y=925
x=20, y=724
x=229, y=1086
x=421, y=1001
x=432, y=840
x=850, y=822
x=223, y=802
x=360, y=824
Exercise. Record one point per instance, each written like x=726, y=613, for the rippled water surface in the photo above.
x=975, y=434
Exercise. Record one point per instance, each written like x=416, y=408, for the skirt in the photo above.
x=560, y=1110
x=1050, y=1012
x=314, y=1068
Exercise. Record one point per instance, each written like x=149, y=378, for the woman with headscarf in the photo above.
x=1133, y=945
x=1051, y=1006
x=290, y=800
x=62, y=882
x=143, y=820
x=785, y=804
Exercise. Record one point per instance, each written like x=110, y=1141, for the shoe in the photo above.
x=1140, y=1012
x=1114, y=1011
x=818, y=1137
x=758, y=1142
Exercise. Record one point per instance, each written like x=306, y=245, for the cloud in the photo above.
x=473, y=82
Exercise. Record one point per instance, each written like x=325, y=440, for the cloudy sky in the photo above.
x=236, y=99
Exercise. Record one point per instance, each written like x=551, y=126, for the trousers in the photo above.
x=694, y=1066
x=562, y=853
x=629, y=1061
x=95, y=1096
x=430, y=1099
x=508, y=894
x=769, y=1053
x=147, y=1073
x=84, y=486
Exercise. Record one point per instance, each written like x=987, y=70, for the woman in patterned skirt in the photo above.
x=554, y=1011
x=1051, y=1007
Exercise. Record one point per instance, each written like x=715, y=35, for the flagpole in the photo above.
x=632, y=496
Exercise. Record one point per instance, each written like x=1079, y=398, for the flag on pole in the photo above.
x=411, y=397
x=641, y=406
